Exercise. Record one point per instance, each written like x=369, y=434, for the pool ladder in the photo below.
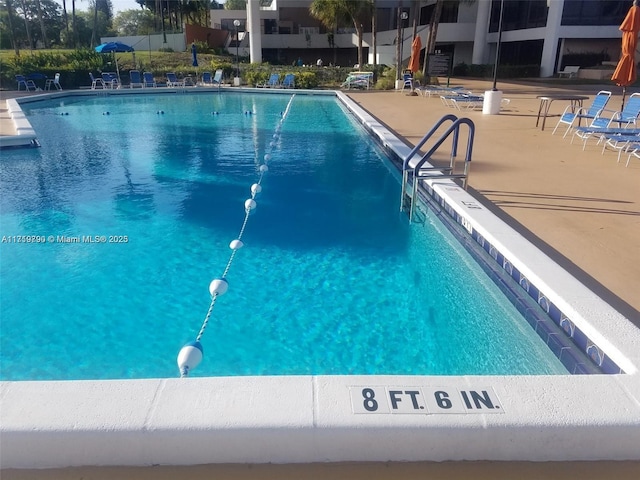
x=411, y=175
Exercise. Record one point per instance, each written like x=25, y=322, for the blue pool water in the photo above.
x=332, y=278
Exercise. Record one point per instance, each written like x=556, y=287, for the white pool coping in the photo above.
x=301, y=419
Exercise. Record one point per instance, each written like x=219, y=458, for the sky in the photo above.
x=118, y=5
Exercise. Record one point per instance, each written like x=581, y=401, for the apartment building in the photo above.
x=532, y=31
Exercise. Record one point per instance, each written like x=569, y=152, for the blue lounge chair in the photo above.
x=111, y=80
x=96, y=82
x=625, y=119
x=26, y=83
x=274, y=81
x=172, y=80
x=289, y=81
x=148, y=80
x=590, y=114
x=207, y=80
x=407, y=81
x=134, y=79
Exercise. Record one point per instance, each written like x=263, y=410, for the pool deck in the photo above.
x=581, y=208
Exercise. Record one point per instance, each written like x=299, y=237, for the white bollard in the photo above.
x=491, y=102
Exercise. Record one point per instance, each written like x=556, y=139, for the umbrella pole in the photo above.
x=624, y=93
x=115, y=55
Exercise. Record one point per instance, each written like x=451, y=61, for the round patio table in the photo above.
x=547, y=100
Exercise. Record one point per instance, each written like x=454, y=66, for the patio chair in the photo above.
x=407, y=81
x=624, y=119
x=148, y=80
x=134, y=79
x=590, y=114
x=289, y=81
x=209, y=81
x=172, y=80
x=26, y=83
x=55, y=81
x=362, y=80
x=274, y=81
x=110, y=80
x=96, y=82
x=634, y=151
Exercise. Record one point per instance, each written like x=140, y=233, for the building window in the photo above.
x=519, y=15
x=594, y=12
x=449, y=12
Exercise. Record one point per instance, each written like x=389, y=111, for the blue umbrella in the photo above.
x=114, y=47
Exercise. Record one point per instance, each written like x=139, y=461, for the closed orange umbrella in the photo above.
x=414, y=62
x=625, y=73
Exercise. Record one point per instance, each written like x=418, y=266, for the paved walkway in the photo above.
x=582, y=208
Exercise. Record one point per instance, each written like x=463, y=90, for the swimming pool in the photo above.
x=333, y=279
x=333, y=418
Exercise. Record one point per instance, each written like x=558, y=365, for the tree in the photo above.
x=10, y=27
x=235, y=5
x=332, y=12
x=102, y=13
x=134, y=22
x=42, y=28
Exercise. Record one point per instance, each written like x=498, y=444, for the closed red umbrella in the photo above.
x=414, y=62
x=625, y=73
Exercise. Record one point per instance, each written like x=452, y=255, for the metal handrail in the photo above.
x=444, y=172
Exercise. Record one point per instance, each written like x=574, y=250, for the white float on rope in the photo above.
x=189, y=357
x=236, y=244
x=219, y=286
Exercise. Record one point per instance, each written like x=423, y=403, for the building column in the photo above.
x=479, y=54
x=255, y=33
x=551, y=36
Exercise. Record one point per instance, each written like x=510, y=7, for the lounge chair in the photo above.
x=96, y=82
x=590, y=114
x=172, y=80
x=634, y=151
x=619, y=139
x=363, y=80
x=624, y=119
x=27, y=84
x=289, y=81
x=55, y=81
x=110, y=79
x=407, y=81
x=274, y=81
x=134, y=79
x=208, y=81
x=148, y=80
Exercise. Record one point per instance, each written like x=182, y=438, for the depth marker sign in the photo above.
x=424, y=400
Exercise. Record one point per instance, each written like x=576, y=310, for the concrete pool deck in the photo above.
x=516, y=179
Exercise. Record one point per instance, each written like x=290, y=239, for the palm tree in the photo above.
x=374, y=32
x=333, y=12
x=66, y=20
x=74, y=24
x=13, y=33
x=26, y=24
x=42, y=28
